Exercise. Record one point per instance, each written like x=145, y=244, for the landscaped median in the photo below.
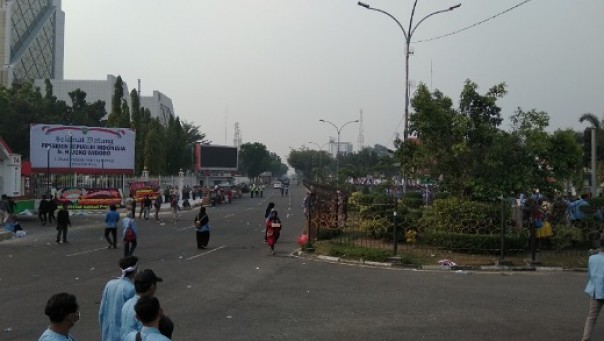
x=423, y=259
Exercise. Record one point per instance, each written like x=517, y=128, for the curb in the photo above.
x=461, y=269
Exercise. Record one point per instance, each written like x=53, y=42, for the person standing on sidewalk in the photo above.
x=62, y=223
x=63, y=311
x=111, y=219
x=595, y=290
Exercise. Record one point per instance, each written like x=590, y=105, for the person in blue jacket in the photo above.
x=116, y=293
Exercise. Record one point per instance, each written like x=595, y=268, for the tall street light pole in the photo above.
x=408, y=34
x=339, y=130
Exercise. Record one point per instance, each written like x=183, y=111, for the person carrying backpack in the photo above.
x=129, y=234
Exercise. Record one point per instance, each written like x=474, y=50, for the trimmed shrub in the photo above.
x=474, y=242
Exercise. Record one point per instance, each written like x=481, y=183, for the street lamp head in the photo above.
x=355, y=121
x=362, y=4
x=454, y=7
x=321, y=120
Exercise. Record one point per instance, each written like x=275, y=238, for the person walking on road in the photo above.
x=63, y=311
x=174, y=207
x=43, y=209
x=202, y=228
x=273, y=230
x=129, y=235
x=147, y=202
x=111, y=220
x=267, y=214
x=62, y=223
x=157, y=206
x=595, y=290
x=116, y=293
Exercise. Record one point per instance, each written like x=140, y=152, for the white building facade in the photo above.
x=159, y=104
x=345, y=148
x=32, y=34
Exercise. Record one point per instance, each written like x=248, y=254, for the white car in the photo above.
x=277, y=185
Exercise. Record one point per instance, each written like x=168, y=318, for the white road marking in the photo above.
x=85, y=252
x=229, y=215
x=207, y=252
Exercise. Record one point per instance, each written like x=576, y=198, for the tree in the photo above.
x=119, y=117
x=254, y=159
x=564, y=156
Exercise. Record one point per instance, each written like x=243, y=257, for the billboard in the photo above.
x=85, y=150
x=213, y=157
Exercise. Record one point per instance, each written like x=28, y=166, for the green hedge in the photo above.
x=353, y=252
x=473, y=242
x=457, y=215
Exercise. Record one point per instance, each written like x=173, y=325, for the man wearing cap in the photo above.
x=145, y=284
x=116, y=293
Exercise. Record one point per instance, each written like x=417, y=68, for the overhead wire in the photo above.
x=453, y=33
x=473, y=25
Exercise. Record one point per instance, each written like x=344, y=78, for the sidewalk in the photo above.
x=29, y=220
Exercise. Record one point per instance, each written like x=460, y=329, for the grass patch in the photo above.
x=429, y=256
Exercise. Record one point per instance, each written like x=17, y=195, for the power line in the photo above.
x=473, y=25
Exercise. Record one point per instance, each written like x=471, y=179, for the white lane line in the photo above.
x=229, y=215
x=184, y=228
x=85, y=252
x=207, y=252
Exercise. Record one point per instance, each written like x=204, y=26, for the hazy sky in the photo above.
x=278, y=66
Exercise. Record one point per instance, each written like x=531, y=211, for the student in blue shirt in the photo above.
x=145, y=284
x=63, y=311
x=116, y=293
x=149, y=313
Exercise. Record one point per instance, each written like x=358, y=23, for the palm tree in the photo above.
x=595, y=126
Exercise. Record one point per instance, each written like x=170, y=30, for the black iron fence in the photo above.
x=397, y=223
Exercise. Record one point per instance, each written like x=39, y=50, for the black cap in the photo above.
x=144, y=279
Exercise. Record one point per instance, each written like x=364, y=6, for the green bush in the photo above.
x=473, y=242
x=442, y=195
x=566, y=236
x=456, y=215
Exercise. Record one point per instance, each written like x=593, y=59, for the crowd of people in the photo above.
x=128, y=311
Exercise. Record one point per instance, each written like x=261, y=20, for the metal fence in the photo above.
x=42, y=184
x=391, y=224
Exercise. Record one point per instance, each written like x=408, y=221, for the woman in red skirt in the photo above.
x=273, y=230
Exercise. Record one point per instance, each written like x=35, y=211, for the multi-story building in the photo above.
x=345, y=148
x=159, y=104
x=31, y=40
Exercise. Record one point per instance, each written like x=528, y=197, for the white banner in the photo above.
x=85, y=150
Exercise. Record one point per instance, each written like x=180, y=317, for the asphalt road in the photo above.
x=236, y=290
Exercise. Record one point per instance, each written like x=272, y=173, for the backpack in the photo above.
x=130, y=235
